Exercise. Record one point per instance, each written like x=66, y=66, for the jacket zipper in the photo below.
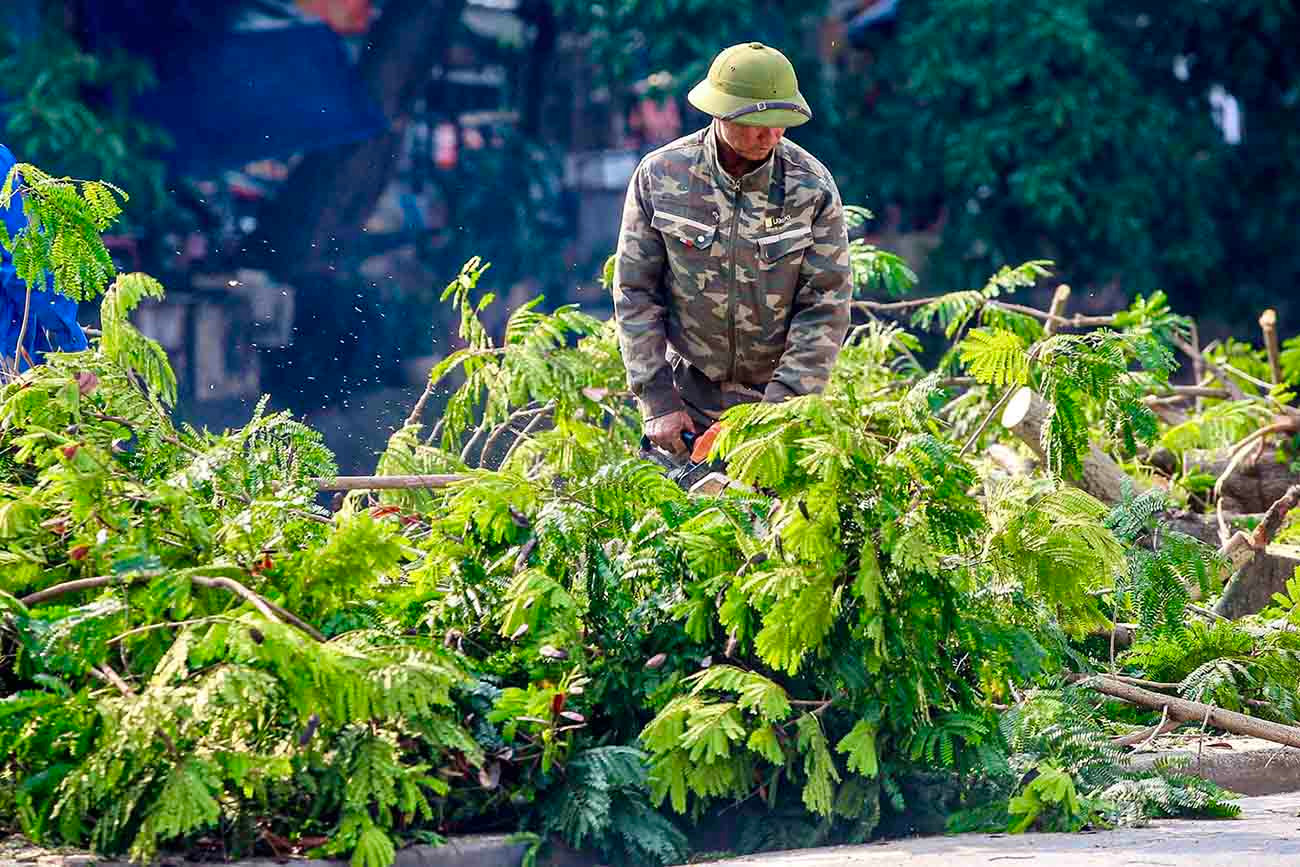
x=731, y=287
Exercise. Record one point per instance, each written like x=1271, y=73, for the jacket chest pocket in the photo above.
x=689, y=243
x=779, y=250
x=780, y=258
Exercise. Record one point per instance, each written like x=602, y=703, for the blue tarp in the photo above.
x=52, y=321
x=257, y=94
x=229, y=94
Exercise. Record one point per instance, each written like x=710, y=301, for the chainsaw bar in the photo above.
x=685, y=473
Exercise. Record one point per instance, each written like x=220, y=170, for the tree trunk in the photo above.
x=1253, y=485
x=330, y=194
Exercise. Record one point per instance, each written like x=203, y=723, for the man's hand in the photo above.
x=666, y=431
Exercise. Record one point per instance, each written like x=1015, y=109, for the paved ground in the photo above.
x=1266, y=834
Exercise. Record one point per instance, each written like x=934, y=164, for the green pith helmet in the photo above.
x=754, y=85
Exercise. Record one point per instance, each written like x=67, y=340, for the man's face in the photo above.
x=751, y=142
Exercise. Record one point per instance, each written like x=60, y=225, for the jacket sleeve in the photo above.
x=821, y=307
x=640, y=304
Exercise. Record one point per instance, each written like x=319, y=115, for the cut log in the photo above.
x=1252, y=589
x=1102, y=476
x=1182, y=710
x=1254, y=485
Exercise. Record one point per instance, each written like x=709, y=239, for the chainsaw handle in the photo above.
x=688, y=437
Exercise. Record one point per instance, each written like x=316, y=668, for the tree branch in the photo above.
x=1142, y=738
x=418, y=409
x=1234, y=390
x=518, y=415
x=71, y=587
x=268, y=609
x=1268, y=325
x=1242, y=548
x=385, y=483
x=1182, y=710
x=1057, y=310
x=22, y=329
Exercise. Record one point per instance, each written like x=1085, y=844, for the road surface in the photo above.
x=1267, y=834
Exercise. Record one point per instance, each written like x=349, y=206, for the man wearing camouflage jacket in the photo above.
x=731, y=279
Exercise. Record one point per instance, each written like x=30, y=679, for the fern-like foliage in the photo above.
x=997, y=357
x=1219, y=425
x=1164, y=565
x=564, y=640
x=124, y=345
x=62, y=238
x=535, y=366
x=603, y=805
x=872, y=268
x=1060, y=735
x=1057, y=547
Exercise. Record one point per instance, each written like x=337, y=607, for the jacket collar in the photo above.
x=755, y=181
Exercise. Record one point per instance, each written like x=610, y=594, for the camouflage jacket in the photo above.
x=747, y=281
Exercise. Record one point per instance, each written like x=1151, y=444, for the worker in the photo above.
x=51, y=318
x=731, y=277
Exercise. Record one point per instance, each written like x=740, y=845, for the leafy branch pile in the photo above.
x=877, y=634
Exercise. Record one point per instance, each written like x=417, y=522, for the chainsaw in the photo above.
x=695, y=472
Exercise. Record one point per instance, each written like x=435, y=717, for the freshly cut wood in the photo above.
x=1018, y=407
x=1182, y=710
x=385, y=483
x=1102, y=476
x=1268, y=325
x=1251, y=589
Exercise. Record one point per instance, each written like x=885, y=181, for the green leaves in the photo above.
x=124, y=345
x=1059, y=547
x=62, y=236
x=1051, y=798
x=818, y=767
x=494, y=648
x=563, y=362
x=757, y=694
x=860, y=745
x=185, y=804
x=877, y=270
x=603, y=804
x=996, y=357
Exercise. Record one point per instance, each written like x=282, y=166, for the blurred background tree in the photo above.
x=1140, y=146
x=69, y=108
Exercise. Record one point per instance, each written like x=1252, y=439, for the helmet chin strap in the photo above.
x=756, y=107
